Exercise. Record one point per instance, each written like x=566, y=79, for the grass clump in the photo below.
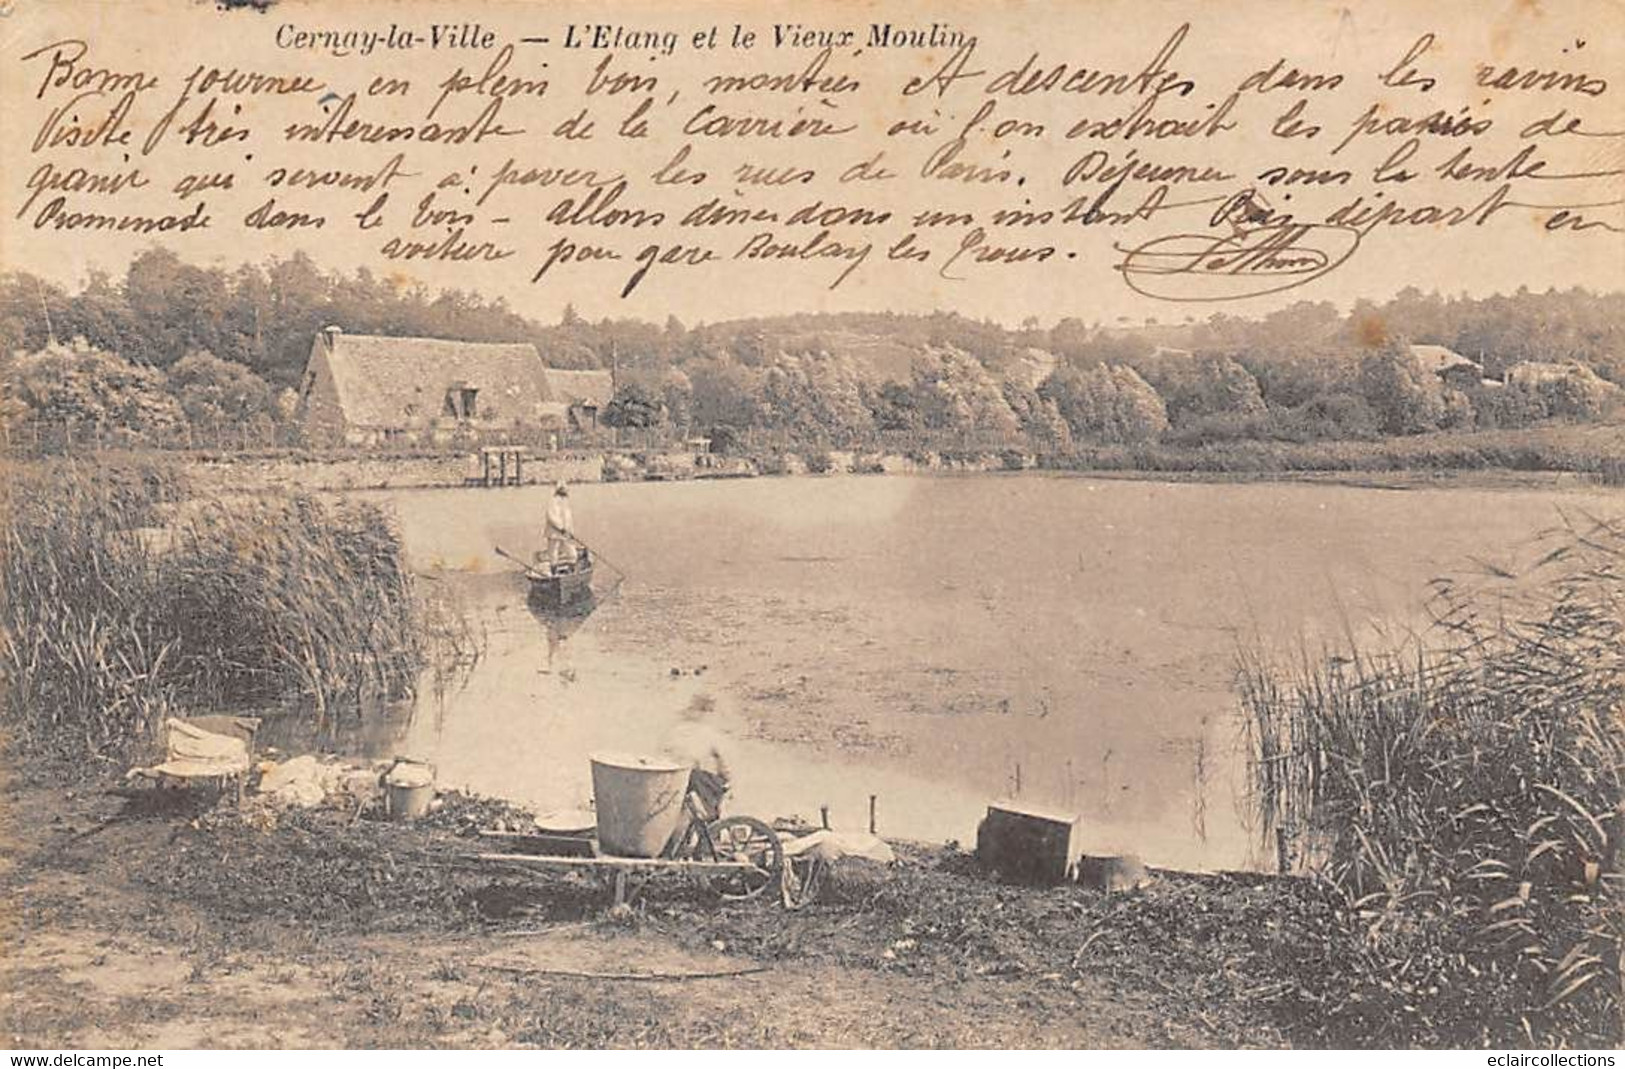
x=1593, y=451
x=122, y=604
x=1468, y=799
x=774, y=463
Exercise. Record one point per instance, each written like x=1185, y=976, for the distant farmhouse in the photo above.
x=1532, y=373
x=362, y=389
x=1449, y=365
x=1569, y=385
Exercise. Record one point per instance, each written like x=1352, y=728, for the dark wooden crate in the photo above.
x=1028, y=845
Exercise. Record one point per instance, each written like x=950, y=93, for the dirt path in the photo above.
x=87, y=987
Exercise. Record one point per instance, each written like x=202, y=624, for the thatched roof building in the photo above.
x=362, y=389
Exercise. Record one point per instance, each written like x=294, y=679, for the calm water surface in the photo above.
x=938, y=642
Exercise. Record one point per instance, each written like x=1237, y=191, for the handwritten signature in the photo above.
x=1247, y=263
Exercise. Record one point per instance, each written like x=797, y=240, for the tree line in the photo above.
x=171, y=346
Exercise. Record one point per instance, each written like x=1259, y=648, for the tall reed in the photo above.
x=1468, y=795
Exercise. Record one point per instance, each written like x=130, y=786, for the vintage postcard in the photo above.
x=1050, y=523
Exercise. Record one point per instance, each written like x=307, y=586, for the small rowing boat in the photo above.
x=559, y=586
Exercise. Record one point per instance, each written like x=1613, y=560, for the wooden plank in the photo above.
x=545, y=844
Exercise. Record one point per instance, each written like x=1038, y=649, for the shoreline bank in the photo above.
x=224, y=476
x=155, y=925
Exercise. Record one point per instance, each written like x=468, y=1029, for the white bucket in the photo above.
x=639, y=801
x=408, y=789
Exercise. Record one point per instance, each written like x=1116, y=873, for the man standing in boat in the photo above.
x=561, y=528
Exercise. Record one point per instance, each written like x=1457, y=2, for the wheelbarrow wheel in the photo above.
x=746, y=839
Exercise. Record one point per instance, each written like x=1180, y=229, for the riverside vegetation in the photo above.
x=125, y=600
x=1467, y=800
x=1455, y=808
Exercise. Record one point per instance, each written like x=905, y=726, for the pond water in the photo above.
x=937, y=642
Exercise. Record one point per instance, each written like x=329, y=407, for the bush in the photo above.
x=725, y=439
x=1205, y=386
x=820, y=462
x=1113, y=405
x=1407, y=397
x=966, y=459
x=1223, y=427
x=1466, y=799
x=215, y=393
x=1577, y=393
x=1508, y=406
x=776, y=463
x=1337, y=415
x=83, y=390
x=635, y=406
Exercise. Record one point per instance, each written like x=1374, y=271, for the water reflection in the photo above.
x=552, y=688
x=559, y=623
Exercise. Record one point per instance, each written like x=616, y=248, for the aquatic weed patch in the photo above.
x=1467, y=798
x=124, y=602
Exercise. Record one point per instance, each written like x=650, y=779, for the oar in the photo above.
x=532, y=571
x=504, y=553
x=599, y=556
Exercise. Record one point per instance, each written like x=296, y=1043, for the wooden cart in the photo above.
x=740, y=857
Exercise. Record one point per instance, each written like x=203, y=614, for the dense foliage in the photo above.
x=176, y=353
